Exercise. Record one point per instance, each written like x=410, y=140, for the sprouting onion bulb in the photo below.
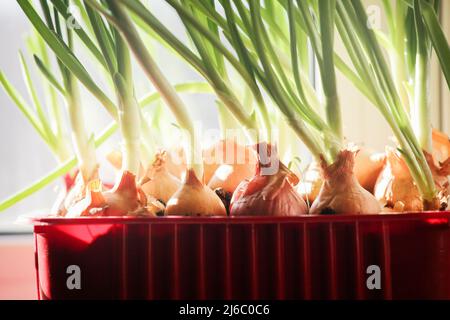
x=395, y=188
x=266, y=43
x=195, y=199
x=398, y=91
x=397, y=191
x=368, y=166
x=125, y=199
x=268, y=195
x=341, y=192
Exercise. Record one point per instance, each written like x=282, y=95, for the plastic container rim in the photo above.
x=41, y=221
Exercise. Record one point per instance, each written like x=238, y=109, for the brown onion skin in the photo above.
x=75, y=193
x=441, y=146
x=268, y=195
x=395, y=188
x=441, y=156
x=124, y=199
x=397, y=191
x=368, y=166
x=158, y=181
x=228, y=152
x=229, y=182
x=194, y=199
x=341, y=192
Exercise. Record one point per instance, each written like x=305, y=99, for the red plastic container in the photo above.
x=309, y=257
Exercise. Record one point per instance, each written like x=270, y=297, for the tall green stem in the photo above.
x=168, y=93
x=420, y=111
x=84, y=146
x=327, y=72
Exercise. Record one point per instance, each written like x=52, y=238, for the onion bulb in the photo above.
x=76, y=193
x=441, y=146
x=233, y=171
x=194, y=198
x=227, y=163
x=341, y=192
x=228, y=176
x=441, y=154
x=368, y=165
x=268, y=195
x=396, y=189
x=158, y=182
x=124, y=199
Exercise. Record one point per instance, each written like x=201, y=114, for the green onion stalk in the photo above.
x=410, y=52
x=125, y=198
x=437, y=36
x=209, y=59
x=193, y=197
x=47, y=123
x=242, y=60
x=249, y=38
x=287, y=89
x=123, y=22
x=245, y=28
x=83, y=141
x=51, y=129
x=100, y=139
x=118, y=61
x=410, y=123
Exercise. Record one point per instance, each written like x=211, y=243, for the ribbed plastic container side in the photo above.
x=251, y=258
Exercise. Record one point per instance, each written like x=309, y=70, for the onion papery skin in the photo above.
x=395, y=188
x=268, y=195
x=218, y=158
x=441, y=155
x=124, y=199
x=341, y=192
x=228, y=177
x=58, y=207
x=311, y=182
x=158, y=181
x=77, y=192
x=440, y=172
x=92, y=204
x=397, y=191
x=194, y=199
x=441, y=146
x=368, y=166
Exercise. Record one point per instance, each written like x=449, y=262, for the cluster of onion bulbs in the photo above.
x=358, y=182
